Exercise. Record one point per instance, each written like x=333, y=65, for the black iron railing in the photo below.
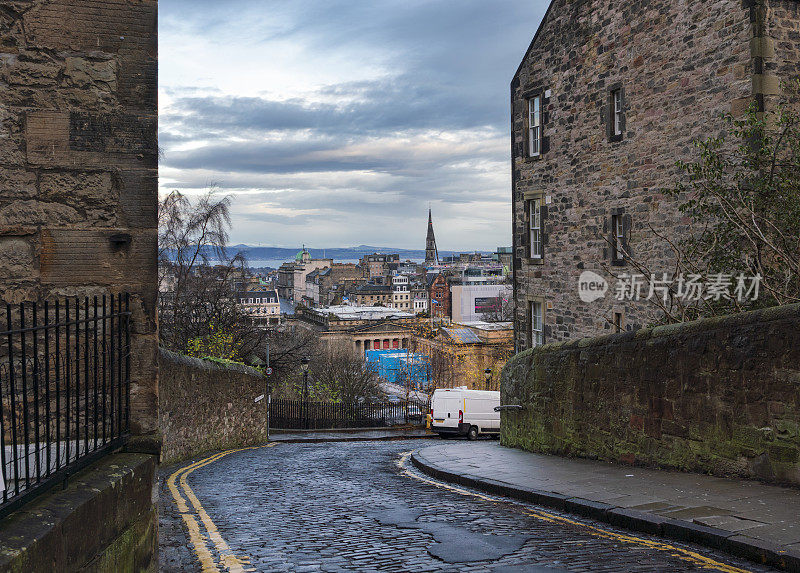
x=64, y=389
x=298, y=414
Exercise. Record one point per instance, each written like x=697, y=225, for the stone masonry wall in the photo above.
x=719, y=395
x=205, y=406
x=680, y=65
x=78, y=163
x=104, y=521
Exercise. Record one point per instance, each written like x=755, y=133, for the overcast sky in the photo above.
x=336, y=122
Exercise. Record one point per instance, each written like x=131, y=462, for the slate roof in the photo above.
x=462, y=335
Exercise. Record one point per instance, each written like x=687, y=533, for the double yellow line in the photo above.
x=679, y=552
x=190, y=517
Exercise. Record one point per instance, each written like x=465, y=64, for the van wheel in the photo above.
x=472, y=434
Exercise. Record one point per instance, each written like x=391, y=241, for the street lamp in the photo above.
x=304, y=367
x=488, y=375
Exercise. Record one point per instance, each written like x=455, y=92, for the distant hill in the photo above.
x=270, y=253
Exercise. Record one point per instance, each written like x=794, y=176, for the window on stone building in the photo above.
x=616, y=114
x=535, y=215
x=537, y=324
x=618, y=322
x=619, y=233
x=535, y=126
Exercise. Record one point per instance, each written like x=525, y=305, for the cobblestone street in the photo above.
x=361, y=506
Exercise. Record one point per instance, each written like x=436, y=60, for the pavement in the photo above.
x=349, y=435
x=745, y=518
x=362, y=506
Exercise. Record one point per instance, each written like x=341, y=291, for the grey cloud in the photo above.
x=451, y=62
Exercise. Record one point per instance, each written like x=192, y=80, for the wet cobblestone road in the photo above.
x=356, y=507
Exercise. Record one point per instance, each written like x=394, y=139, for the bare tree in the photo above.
x=197, y=306
x=501, y=310
x=743, y=195
x=340, y=375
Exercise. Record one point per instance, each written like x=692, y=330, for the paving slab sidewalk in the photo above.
x=746, y=518
x=349, y=435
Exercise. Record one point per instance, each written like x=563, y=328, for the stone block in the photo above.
x=16, y=258
x=87, y=73
x=17, y=184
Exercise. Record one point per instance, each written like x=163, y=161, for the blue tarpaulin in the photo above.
x=400, y=366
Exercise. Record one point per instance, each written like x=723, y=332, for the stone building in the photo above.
x=608, y=97
x=261, y=304
x=78, y=220
x=337, y=279
x=439, y=297
x=372, y=295
x=359, y=328
x=78, y=164
x=376, y=265
x=291, y=283
x=419, y=294
x=401, y=293
x=459, y=354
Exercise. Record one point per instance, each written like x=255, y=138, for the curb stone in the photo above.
x=386, y=438
x=729, y=542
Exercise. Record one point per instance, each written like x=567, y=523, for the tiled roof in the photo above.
x=462, y=335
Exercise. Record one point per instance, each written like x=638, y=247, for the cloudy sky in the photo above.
x=337, y=122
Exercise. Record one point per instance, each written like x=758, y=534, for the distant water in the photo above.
x=275, y=263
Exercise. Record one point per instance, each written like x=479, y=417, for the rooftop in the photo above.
x=482, y=325
x=349, y=312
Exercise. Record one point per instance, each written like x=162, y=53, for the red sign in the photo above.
x=268, y=371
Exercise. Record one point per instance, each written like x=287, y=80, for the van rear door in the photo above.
x=445, y=407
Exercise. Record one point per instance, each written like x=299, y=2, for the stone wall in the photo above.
x=78, y=163
x=717, y=395
x=103, y=521
x=680, y=66
x=204, y=405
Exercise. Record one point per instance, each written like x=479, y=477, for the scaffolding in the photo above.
x=399, y=366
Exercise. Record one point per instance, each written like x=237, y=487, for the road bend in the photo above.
x=360, y=506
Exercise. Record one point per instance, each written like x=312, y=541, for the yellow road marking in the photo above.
x=684, y=554
x=227, y=558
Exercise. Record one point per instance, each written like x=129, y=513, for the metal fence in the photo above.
x=297, y=414
x=64, y=390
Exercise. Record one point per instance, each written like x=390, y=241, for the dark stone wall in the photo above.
x=104, y=521
x=206, y=406
x=719, y=395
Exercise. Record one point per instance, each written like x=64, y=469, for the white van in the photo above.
x=462, y=412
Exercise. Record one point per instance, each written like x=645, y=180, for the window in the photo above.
x=537, y=324
x=535, y=126
x=618, y=242
x=535, y=210
x=616, y=114
x=617, y=322
x=616, y=102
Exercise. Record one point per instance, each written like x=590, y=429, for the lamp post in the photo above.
x=488, y=375
x=304, y=367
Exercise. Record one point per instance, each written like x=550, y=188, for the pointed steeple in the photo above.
x=431, y=253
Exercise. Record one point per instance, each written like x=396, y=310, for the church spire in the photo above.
x=431, y=253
